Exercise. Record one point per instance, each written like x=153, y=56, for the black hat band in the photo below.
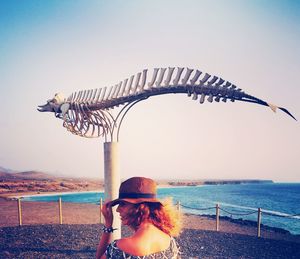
x=132, y=195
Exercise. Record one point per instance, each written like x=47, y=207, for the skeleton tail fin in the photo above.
x=274, y=108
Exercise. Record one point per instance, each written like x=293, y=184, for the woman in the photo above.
x=153, y=221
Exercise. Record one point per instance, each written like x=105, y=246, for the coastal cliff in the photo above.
x=215, y=182
x=29, y=182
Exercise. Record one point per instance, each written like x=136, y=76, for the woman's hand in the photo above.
x=107, y=214
x=106, y=238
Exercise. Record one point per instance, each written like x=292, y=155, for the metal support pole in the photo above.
x=217, y=217
x=101, y=204
x=258, y=221
x=112, y=181
x=19, y=212
x=60, y=211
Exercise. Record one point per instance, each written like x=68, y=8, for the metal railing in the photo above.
x=259, y=213
x=179, y=206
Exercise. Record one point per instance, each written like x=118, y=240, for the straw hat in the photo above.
x=137, y=190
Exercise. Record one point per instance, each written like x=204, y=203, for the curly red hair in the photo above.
x=162, y=215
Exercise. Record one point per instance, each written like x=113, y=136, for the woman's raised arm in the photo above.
x=106, y=236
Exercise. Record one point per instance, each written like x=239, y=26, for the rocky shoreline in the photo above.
x=80, y=241
x=245, y=222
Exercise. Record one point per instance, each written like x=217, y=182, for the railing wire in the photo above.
x=238, y=214
x=280, y=216
x=209, y=208
x=243, y=214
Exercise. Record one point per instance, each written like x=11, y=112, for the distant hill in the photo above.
x=34, y=175
x=215, y=182
x=6, y=170
x=12, y=182
x=39, y=182
x=8, y=174
x=4, y=176
x=210, y=182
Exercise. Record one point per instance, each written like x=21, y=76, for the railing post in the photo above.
x=217, y=216
x=178, y=206
x=101, y=205
x=60, y=211
x=19, y=212
x=258, y=221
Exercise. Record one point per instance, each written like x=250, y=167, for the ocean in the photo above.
x=279, y=201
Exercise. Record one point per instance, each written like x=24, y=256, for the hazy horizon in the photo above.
x=65, y=46
x=157, y=178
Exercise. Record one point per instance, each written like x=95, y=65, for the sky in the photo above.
x=65, y=46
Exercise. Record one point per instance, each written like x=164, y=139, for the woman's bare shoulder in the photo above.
x=143, y=246
x=126, y=244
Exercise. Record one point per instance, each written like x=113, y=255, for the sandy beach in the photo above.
x=41, y=236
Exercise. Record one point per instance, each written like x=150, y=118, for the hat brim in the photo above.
x=134, y=201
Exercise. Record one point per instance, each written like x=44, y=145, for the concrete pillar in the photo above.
x=112, y=181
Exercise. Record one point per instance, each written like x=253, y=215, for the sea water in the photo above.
x=280, y=202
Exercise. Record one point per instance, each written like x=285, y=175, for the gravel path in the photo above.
x=80, y=241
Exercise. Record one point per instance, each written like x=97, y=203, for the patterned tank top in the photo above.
x=172, y=252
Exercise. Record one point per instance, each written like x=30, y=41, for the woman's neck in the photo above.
x=146, y=226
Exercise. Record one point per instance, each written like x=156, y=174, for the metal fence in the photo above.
x=179, y=206
x=259, y=213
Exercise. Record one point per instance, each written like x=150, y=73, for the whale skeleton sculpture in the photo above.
x=87, y=113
